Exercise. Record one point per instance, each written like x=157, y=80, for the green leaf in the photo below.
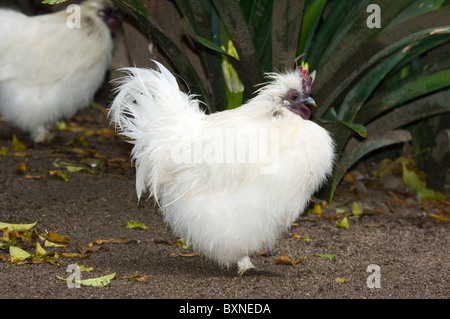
x=53, y=1
x=18, y=253
x=17, y=227
x=210, y=45
x=94, y=282
x=332, y=27
x=39, y=251
x=249, y=69
x=331, y=117
x=416, y=8
x=356, y=97
x=402, y=94
x=386, y=43
x=356, y=210
x=52, y=244
x=357, y=36
x=427, y=106
x=132, y=224
x=310, y=21
x=4, y=151
x=59, y=174
x=343, y=223
x=182, y=243
x=8, y=244
x=86, y=269
x=411, y=179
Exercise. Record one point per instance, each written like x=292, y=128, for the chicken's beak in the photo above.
x=310, y=101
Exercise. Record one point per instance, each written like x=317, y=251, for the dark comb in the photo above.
x=306, y=81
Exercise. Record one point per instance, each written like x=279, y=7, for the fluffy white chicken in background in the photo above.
x=227, y=208
x=49, y=68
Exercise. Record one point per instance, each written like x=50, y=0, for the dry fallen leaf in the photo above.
x=28, y=176
x=183, y=255
x=111, y=241
x=340, y=280
x=57, y=238
x=285, y=260
x=136, y=277
x=72, y=255
x=21, y=168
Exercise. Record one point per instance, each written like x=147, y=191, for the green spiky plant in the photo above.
x=369, y=82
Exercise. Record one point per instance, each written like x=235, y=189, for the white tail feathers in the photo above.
x=147, y=108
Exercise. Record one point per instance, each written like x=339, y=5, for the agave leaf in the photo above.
x=417, y=7
x=233, y=19
x=196, y=14
x=428, y=106
x=331, y=117
x=262, y=38
x=310, y=21
x=364, y=88
x=402, y=94
x=415, y=29
x=347, y=81
x=205, y=42
x=356, y=38
x=409, y=70
x=353, y=152
x=286, y=22
x=330, y=26
x=137, y=10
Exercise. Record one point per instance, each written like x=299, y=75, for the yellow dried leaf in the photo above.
x=183, y=255
x=285, y=260
x=21, y=168
x=124, y=240
x=340, y=280
x=16, y=145
x=57, y=238
x=39, y=251
x=51, y=244
x=136, y=277
x=59, y=174
x=72, y=255
x=317, y=209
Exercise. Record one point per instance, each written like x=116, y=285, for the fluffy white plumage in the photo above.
x=228, y=209
x=49, y=71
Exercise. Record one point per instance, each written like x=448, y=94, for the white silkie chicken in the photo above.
x=51, y=65
x=230, y=182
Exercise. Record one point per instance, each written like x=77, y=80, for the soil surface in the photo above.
x=395, y=232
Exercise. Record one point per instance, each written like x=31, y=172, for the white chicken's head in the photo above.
x=291, y=91
x=106, y=10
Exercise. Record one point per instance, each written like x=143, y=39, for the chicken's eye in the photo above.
x=293, y=96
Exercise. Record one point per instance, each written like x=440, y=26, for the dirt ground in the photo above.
x=395, y=232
